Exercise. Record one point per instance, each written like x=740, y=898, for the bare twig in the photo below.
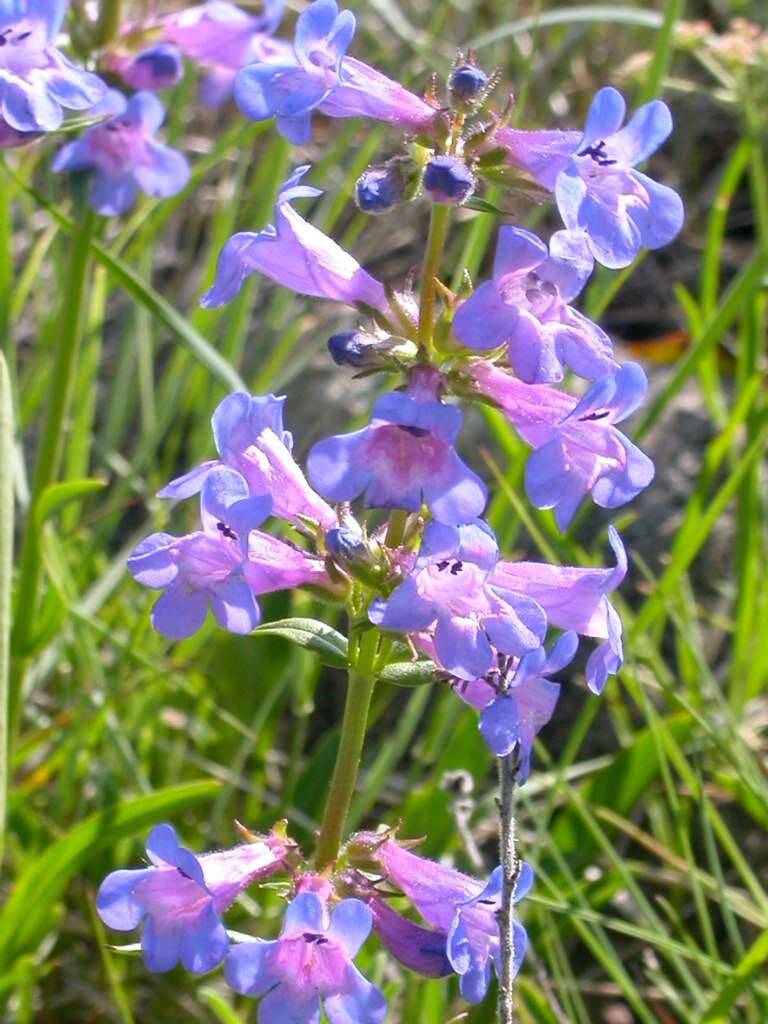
x=510, y=863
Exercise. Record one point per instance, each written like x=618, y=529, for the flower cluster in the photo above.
x=389, y=518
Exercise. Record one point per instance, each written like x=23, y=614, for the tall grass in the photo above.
x=645, y=815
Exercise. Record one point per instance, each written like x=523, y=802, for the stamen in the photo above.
x=598, y=154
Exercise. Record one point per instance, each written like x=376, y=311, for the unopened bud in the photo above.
x=380, y=188
x=353, y=348
x=466, y=82
x=448, y=180
x=157, y=67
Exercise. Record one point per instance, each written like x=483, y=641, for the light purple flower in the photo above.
x=576, y=599
x=181, y=897
x=124, y=155
x=309, y=965
x=598, y=190
x=420, y=949
x=250, y=438
x=295, y=254
x=459, y=905
x=404, y=457
x=36, y=79
x=518, y=700
x=450, y=594
x=526, y=306
x=156, y=67
x=208, y=567
x=578, y=449
x=321, y=77
x=222, y=38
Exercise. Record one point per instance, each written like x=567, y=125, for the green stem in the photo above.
x=6, y=575
x=108, y=25
x=438, y=229
x=362, y=679
x=51, y=447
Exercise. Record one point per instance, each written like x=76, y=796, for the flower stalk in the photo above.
x=360, y=684
x=438, y=230
x=510, y=865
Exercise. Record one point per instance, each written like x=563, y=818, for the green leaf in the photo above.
x=313, y=635
x=719, y=1011
x=56, y=496
x=25, y=918
x=409, y=673
x=6, y=573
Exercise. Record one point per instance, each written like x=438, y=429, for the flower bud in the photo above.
x=448, y=180
x=379, y=188
x=356, y=554
x=157, y=67
x=353, y=348
x=466, y=83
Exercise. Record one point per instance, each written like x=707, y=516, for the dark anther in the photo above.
x=226, y=531
x=456, y=568
x=315, y=937
x=486, y=903
x=414, y=431
x=442, y=566
x=598, y=154
x=184, y=874
x=23, y=36
x=594, y=416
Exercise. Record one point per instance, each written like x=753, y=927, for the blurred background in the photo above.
x=646, y=811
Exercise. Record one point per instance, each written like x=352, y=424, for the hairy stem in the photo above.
x=360, y=684
x=51, y=446
x=510, y=863
x=438, y=229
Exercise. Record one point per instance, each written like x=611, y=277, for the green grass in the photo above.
x=646, y=811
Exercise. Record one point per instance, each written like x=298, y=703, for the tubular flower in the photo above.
x=250, y=438
x=37, y=81
x=576, y=599
x=450, y=594
x=518, y=700
x=526, y=306
x=208, y=567
x=420, y=949
x=321, y=77
x=308, y=965
x=181, y=897
x=578, y=449
x=404, y=457
x=598, y=190
x=295, y=254
x=462, y=907
x=124, y=156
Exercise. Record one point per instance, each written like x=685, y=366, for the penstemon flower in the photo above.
x=124, y=156
x=387, y=518
x=37, y=81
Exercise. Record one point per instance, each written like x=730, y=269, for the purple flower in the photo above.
x=576, y=599
x=577, y=447
x=420, y=949
x=310, y=964
x=447, y=179
x=295, y=254
x=516, y=702
x=222, y=37
x=525, y=306
x=208, y=567
x=450, y=592
x=36, y=79
x=124, y=155
x=404, y=457
x=458, y=905
x=250, y=438
x=320, y=77
x=156, y=67
x=597, y=188
x=181, y=897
